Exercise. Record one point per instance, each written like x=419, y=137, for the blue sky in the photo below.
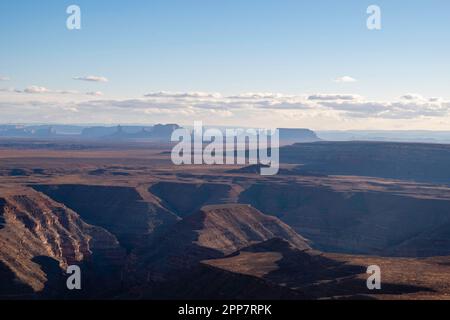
x=230, y=47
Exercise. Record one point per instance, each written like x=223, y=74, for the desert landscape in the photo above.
x=140, y=227
x=219, y=158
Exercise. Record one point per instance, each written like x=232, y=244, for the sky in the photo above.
x=265, y=63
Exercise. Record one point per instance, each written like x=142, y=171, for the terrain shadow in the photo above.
x=2, y=211
x=320, y=276
x=56, y=282
x=119, y=210
x=11, y=287
x=187, y=198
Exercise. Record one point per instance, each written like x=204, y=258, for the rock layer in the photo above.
x=36, y=226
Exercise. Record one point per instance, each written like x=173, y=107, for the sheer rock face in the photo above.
x=36, y=226
x=121, y=210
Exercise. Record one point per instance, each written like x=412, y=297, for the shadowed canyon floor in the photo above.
x=140, y=227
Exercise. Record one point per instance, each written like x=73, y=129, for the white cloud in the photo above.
x=412, y=96
x=390, y=110
x=257, y=95
x=345, y=79
x=95, y=93
x=10, y=89
x=91, y=78
x=66, y=92
x=326, y=110
x=168, y=94
x=36, y=89
x=333, y=97
x=3, y=78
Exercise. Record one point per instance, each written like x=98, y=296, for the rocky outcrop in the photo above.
x=228, y=228
x=36, y=226
x=297, y=135
x=120, y=210
x=213, y=232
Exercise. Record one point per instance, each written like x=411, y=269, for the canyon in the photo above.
x=141, y=228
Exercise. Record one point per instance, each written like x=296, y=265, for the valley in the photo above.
x=142, y=228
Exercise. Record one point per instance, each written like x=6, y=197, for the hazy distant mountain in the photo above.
x=160, y=132
x=39, y=131
x=425, y=136
x=44, y=132
x=97, y=132
x=292, y=135
x=163, y=131
x=14, y=131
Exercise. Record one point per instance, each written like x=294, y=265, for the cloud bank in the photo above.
x=95, y=93
x=319, y=110
x=36, y=89
x=91, y=79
